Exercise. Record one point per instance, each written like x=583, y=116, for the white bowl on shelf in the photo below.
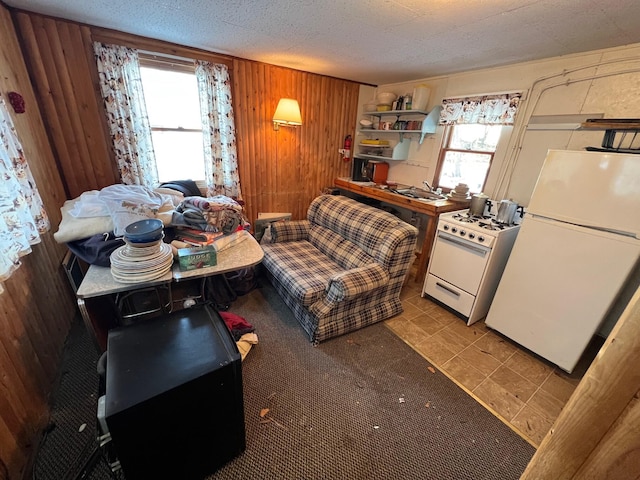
x=386, y=98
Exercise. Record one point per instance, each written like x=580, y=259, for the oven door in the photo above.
x=458, y=261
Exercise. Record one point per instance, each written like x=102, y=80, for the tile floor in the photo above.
x=522, y=389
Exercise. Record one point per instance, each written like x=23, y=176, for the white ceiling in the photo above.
x=369, y=41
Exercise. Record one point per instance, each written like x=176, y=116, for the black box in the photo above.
x=174, y=404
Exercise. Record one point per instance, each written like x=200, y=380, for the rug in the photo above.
x=360, y=406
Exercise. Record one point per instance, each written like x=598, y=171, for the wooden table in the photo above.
x=96, y=292
x=431, y=208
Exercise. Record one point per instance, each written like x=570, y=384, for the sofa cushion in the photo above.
x=378, y=233
x=342, y=251
x=301, y=268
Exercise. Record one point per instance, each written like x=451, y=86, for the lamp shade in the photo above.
x=287, y=113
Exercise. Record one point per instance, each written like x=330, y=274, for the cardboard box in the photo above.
x=197, y=257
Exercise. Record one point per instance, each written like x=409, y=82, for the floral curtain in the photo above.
x=218, y=127
x=121, y=88
x=487, y=109
x=22, y=215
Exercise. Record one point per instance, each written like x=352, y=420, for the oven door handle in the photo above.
x=462, y=243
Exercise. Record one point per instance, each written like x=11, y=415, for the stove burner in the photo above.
x=467, y=218
x=491, y=226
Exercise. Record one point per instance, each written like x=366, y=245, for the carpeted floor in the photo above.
x=360, y=406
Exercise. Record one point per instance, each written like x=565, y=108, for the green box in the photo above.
x=197, y=257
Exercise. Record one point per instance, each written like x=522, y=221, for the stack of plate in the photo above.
x=458, y=197
x=141, y=262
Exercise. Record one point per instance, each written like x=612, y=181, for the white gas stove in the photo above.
x=467, y=259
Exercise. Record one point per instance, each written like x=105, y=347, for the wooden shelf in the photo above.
x=611, y=124
x=612, y=127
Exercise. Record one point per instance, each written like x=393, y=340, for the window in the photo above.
x=466, y=155
x=173, y=107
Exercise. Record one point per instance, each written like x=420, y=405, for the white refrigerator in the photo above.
x=578, y=243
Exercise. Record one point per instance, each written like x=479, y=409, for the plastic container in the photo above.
x=420, y=97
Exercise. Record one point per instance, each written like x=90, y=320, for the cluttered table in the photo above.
x=98, y=288
x=431, y=208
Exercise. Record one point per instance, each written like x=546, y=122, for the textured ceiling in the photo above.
x=369, y=41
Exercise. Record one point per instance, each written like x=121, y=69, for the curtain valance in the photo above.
x=498, y=109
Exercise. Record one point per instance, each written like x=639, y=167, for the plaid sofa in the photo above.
x=342, y=268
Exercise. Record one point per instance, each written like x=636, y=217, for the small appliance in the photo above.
x=357, y=170
x=369, y=171
x=376, y=171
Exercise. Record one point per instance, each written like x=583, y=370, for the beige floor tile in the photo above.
x=463, y=372
x=499, y=399
x=409, y=291
x=532, y=424
x=452, y=340
x=496, y=346
x=434, y=350
x=397, y=324
x=408, y=330
x=471, y=333
x=409, y=310
x=427, y=323
x=443, y=315
x=514, y=383
x=546, y=405
x=558, y=387
x=530, y=367
x=480, y=359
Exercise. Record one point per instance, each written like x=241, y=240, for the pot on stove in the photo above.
x=478, y=203
x=506, y=212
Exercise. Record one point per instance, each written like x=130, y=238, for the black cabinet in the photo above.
x=174, y=404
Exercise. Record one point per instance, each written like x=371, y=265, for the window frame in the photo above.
x=445, y=147
x=158, y=62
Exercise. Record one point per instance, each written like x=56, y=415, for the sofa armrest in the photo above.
x=291, y=231
x=356, y=281
x=349, y=284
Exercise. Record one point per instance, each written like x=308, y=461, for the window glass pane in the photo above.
x=179, y=155
x=482, y=138
x=469, y=168
x=171, y=98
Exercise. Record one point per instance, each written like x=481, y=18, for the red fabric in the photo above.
x=235, y=322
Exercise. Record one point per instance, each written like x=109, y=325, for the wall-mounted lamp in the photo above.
x=287, y=113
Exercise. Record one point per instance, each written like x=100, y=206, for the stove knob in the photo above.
x=454, y=230
x=446, y=227
x=472, y=236
x=481, y=238
x=462, y=233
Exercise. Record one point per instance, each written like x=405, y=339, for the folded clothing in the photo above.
x=214, y=214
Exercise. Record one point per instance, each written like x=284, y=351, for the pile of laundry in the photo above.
x=94, y=223
x=213, y=214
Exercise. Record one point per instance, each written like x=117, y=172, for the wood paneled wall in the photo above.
x=282, y=171
x=37, y=306
x=279, y=171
